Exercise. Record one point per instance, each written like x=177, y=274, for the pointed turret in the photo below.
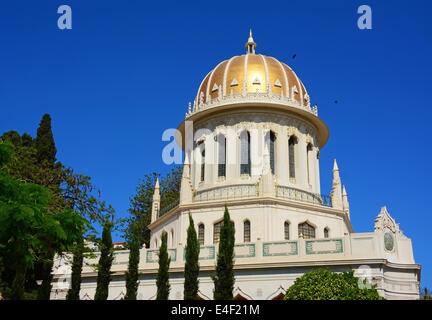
x=250, y=45
x=186, y=194
x=336, y=193
x=345, y=202
x=156, y=202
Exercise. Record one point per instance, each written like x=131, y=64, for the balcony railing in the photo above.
x=226, y=193
x=169, y=206
x=303, y=196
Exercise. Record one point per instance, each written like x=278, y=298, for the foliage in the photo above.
x=34, y=163
x=141, y=203
x=162, y=281
x=105, y=262
x=191, y=283
x=224, y=278
x=132, y=273
x=323, y=284
x=77, y=264
x=45, y=146
x=27, y=229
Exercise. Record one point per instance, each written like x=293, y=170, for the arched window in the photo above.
x=172, y=238
x=245, y=157
x=202, y=163
x=326, y=232
x=306, y=230
x=201, y=234
x=221, y=155
x=246, y=231
x=291, y=155
x=216, y=230
x=309, y=161
x=286, y=230
x=272, y=151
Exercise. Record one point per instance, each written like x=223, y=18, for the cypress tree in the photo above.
x=105, y=262
x=45, y=154
x=77, y=264
x=45, y=146
x=162, y=281
x=132, y=273
x=192, y=267
x=224, y=278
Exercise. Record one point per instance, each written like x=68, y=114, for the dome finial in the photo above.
x=250, y=45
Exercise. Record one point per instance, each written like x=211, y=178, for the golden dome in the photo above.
x=251, y=73
x=252, y=81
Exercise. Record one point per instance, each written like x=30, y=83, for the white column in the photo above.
x=256, y=151
x=231, y=154
x=301, y=173
x=317, y=173
x=282, y=162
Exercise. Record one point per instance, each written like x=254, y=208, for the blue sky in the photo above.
x=127, y=70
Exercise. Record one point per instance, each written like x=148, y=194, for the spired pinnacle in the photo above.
x=250, y=45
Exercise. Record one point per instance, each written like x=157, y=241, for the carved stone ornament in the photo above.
x=385, y=222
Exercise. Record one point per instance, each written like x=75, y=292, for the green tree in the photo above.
x=26, y=227
x=45, y=145
x=323, y=284
x=162, y=281
x=77, y=264
x=105, y=263
x=34, y=163
x=132, y=273
x=191, y=284
x=141, y=203
x=224, y=277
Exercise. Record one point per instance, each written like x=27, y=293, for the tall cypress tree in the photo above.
x=105, y=262
x=45, y=146
x=132, y=273
x=45, y=154
x=224, y=278
x=77, y=264
x=192, y=266
x=162, y=281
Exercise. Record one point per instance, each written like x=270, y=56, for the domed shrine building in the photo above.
x=252, y=142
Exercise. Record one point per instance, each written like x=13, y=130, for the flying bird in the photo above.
x=336, y=101
x=294, y=55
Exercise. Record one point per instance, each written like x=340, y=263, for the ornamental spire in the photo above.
x=250, y=45
x=336, y=192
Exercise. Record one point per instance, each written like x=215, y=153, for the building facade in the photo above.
x=252, y=141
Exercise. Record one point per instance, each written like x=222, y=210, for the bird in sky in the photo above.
x=294, y=56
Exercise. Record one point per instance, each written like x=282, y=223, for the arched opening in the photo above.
x=309, y=162
x=245, y=153
x=239, y=297
x=216, y=230
x=172, y=238
x=246, y=231
x=221, y=140
x=272, y=151
x=291, y=156
x=280, y=296
x=202, y=163
x=326, y=232
x=201, y=234
x=306, y=230
x=286, y=230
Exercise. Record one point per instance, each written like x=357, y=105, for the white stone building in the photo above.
x=252, y=142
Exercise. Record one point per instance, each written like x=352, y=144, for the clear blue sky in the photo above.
x=127, y=70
